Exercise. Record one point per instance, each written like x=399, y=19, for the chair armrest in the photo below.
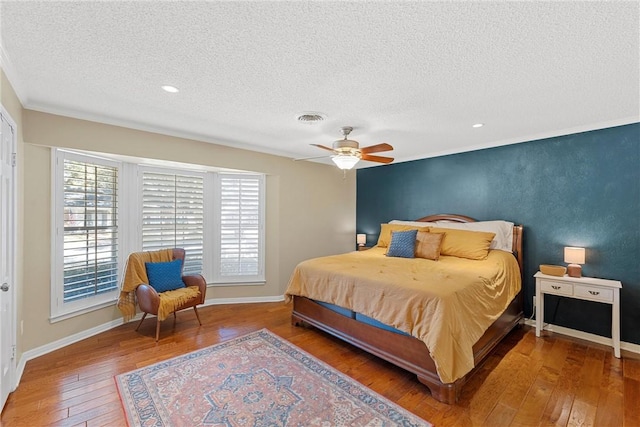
x=197, y=280
x=148, y=299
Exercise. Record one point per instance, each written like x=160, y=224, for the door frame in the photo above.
x=13, y=209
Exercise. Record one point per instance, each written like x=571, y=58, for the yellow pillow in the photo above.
x=428, y=245
x=464, y=243
x=385, y=232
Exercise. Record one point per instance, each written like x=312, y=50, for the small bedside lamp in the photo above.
x=361, y=239
x=574, y=257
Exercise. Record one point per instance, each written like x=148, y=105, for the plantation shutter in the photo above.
x=173, y=215
x=241, y=228
x=90, y=242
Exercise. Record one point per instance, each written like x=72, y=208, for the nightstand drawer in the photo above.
x=557, y=288
x=593, y=293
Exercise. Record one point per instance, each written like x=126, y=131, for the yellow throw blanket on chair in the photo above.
x=136, y=274
x=170, y=301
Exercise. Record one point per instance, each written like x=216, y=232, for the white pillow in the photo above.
x=503, y=230
x=413, y=223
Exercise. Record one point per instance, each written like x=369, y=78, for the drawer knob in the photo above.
x=594, y=292
x=555, y=287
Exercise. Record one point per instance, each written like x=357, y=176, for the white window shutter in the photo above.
x=241, y=238
x=90, y=223
x=173, y=215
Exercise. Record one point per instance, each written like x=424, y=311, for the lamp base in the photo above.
x=574, y=270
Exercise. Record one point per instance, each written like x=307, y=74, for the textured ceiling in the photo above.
x=414, y=74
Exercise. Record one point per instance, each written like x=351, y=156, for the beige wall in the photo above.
x=310, y=210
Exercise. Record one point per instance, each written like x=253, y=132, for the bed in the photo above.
x=352, y=297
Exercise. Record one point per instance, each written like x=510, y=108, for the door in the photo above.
x=7, y=257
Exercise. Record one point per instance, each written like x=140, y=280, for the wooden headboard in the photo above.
x=517, y=232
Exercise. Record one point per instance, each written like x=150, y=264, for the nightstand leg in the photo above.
x=539, y=308
x=615, y=323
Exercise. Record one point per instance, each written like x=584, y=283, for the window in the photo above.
x=173, y=215
x=240, y=237
x=217, y=217
x=86, y=227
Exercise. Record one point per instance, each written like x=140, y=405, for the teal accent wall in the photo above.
x=575, y=190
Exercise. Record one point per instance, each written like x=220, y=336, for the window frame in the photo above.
x=59, y=309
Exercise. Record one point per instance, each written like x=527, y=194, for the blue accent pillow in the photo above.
x=403, y=244
x=165, y=276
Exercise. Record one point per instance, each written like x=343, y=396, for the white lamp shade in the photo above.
x=345, y=161
x=361, y=239
x=574, y=255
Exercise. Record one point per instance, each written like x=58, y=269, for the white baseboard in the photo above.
x=55, y=345
x=634, y=348
x=242, y=300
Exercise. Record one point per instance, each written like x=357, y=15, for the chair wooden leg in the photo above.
x=140, y=322
x=157, y=330
x=197, y=315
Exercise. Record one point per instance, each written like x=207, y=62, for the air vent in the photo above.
x=310, y=118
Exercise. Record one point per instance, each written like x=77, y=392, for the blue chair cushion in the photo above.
x=403, y=244
x=165, y=276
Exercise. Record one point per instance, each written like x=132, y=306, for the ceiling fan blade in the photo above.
x=379, y=159
x=322, y=146
x=376, y=148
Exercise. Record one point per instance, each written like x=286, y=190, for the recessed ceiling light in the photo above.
x=478, y=125
x=170, y=89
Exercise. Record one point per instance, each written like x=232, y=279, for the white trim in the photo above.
x=210, y=227
x=243, y=300
x=225, y=280
x=517, y=140
x=112, y=300
x=181, y=133
x=63, y=342
x=12, y=76
x=12, y=330
x=230, y=283
x=152, y=128
x=131, y=238
x=60, y=310
x=633, y=348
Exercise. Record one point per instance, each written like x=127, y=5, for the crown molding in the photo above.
x=9, y=70
x=146, y=127
x=526, y=138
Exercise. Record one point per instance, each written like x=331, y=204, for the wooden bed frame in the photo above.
x=405, y=351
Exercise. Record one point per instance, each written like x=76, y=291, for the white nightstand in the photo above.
x=586, y=288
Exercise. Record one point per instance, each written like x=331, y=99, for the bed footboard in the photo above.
x=404, y=351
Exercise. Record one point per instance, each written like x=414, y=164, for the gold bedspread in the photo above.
x=448, y=304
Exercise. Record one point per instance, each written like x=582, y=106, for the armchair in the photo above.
x=164, y=303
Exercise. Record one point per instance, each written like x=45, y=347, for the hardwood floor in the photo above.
x=527, y=381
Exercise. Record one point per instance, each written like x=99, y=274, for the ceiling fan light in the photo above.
x=345, y=161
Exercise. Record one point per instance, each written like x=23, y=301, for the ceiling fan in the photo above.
x=347, y=152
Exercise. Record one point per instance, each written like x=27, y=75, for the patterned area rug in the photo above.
x=255, y=380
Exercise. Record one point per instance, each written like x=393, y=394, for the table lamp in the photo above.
x=361, y=239
x=574, y=257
